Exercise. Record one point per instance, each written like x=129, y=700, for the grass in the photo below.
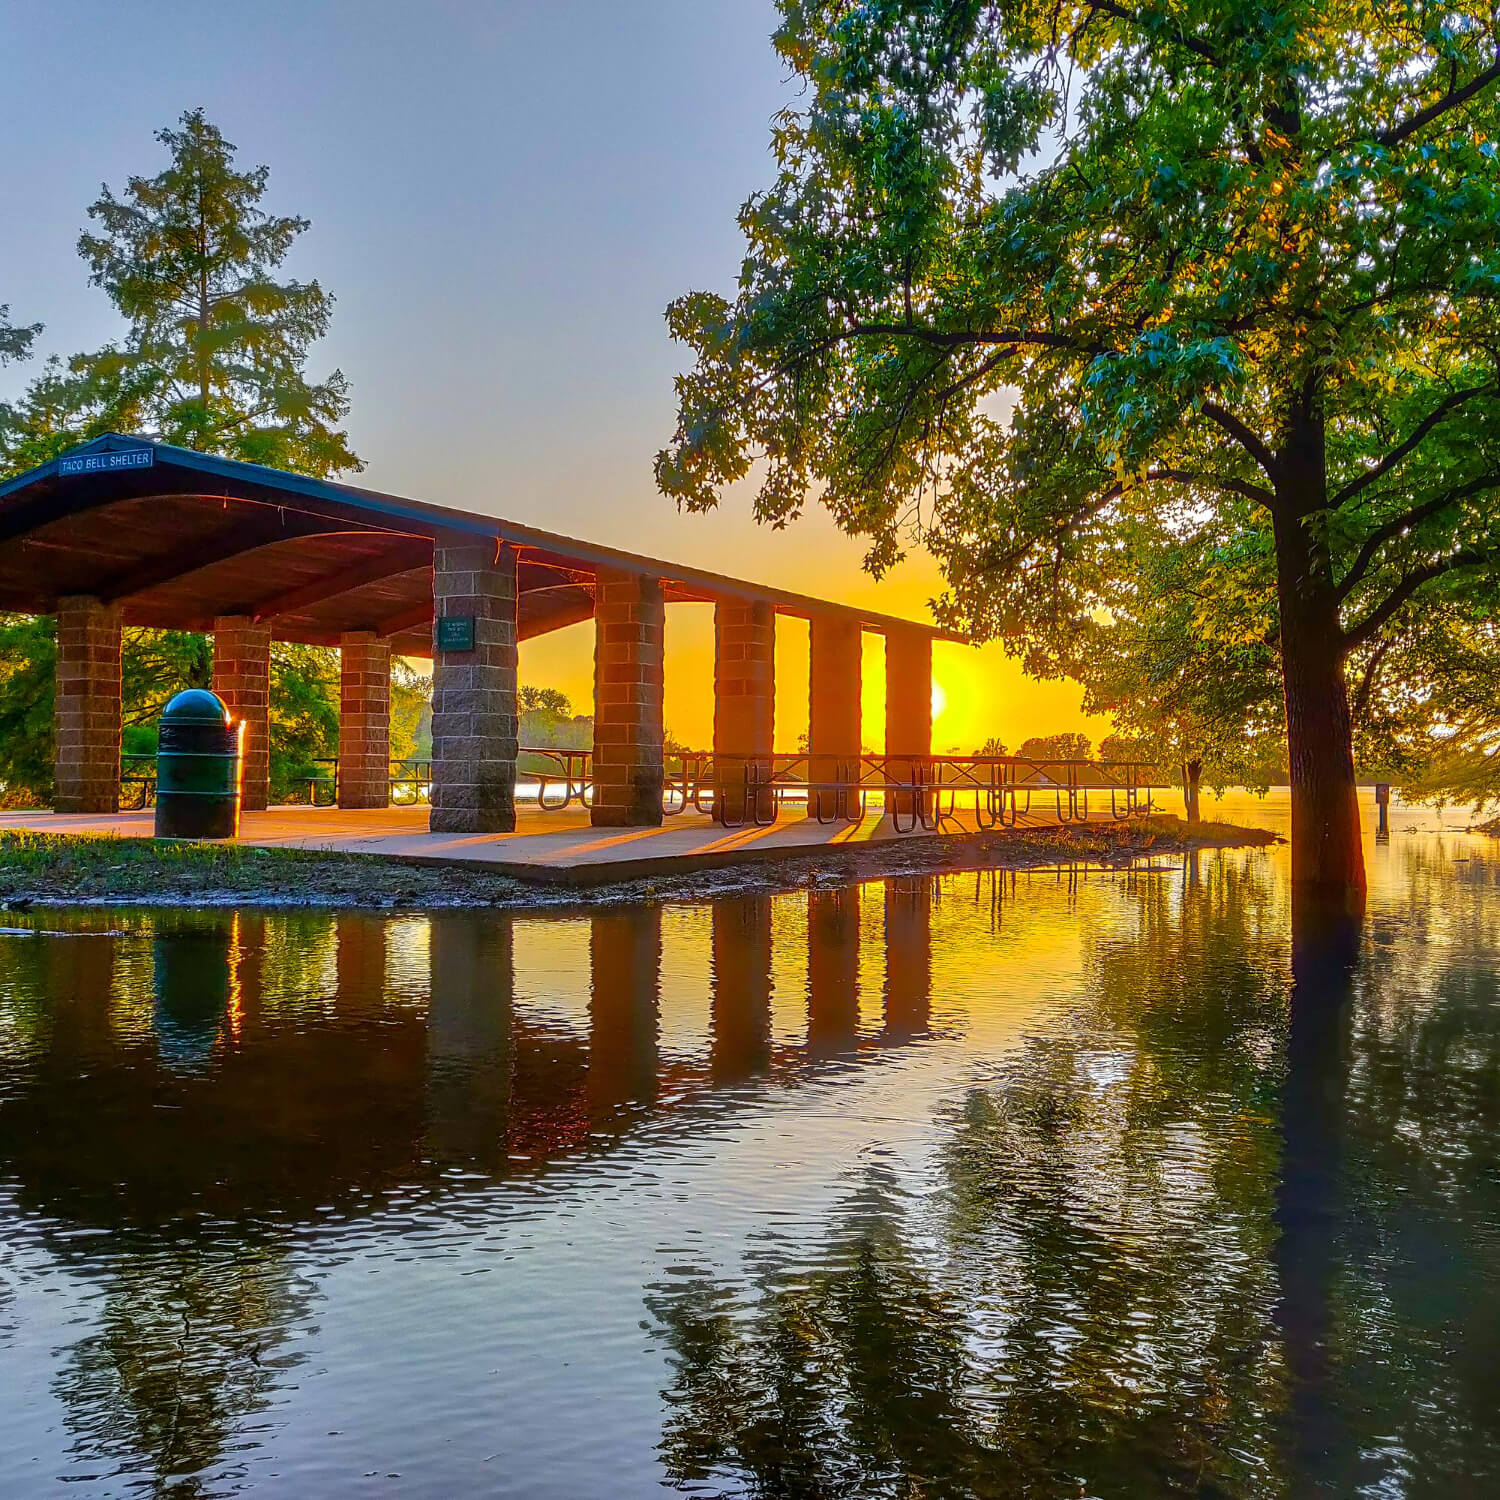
x=108, y=870
x=52, y=867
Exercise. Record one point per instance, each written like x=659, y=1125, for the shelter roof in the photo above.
x=177, y=537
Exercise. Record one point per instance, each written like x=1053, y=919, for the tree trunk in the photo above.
x=1327, y=851
x=1191, y=771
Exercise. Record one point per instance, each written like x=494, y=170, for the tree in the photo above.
x=1185, y=668
x=28, y=653
x=1070, y=746
x=15, y=343
x=214, y=359
x=545, y=700
x=1236, y=268
x=219, y=343
x=304, y=715
x=1428, y=706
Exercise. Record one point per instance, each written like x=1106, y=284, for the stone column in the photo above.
x=744, y=705
x=629, y=635
x=474, y=720
x=364, y=719
x=741, y=980
x=242, y=678
x=832, y=970
x=86, y=710
x=833, y=718
x=908, y=956
x=908, y=702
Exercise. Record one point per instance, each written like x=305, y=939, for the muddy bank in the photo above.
x=52, y=870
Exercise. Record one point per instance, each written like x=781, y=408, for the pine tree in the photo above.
x=217, y=344
x=15, y=343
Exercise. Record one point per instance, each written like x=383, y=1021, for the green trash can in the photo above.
x=197, y=769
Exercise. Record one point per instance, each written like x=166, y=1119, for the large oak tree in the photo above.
x=1237, y=267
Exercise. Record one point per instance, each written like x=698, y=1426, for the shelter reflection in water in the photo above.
x=982, y=1185
x=246, y=1065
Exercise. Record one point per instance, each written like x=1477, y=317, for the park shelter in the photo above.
x=124, y=531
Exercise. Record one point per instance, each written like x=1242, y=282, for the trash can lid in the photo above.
x=196, y=705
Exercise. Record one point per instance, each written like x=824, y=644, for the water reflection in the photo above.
x=190, y=1347
x=1081, y=1305
x=1086, y=1185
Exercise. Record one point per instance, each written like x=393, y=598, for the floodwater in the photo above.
x=1038, y=1185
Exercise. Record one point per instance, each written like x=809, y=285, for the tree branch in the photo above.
x=940, y=340
x=1449, y=403
x=1120, y=13
x=1403, y=523
x=1243, y=435
x=1401, y=594
x=1258, y=493
x=1439, y=107
x=1361, y=699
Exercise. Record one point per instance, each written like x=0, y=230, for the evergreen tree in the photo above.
x=15, y=343
x=213, y=360
x=188, y=257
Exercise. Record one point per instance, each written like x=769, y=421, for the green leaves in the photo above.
x=1221, y=266
x=15, y=343
x=215, y=355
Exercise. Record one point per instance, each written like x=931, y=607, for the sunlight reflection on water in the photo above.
x=987, y=1184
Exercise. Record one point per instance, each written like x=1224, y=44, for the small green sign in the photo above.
x=455, y=633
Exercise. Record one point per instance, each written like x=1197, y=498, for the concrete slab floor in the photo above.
x=547, y=846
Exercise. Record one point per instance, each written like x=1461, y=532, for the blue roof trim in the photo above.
x=281, y=479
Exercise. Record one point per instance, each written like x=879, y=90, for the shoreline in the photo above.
x=56, y=870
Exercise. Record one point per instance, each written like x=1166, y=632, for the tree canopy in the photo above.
x=1076, y=292
x=215, y=353
x=213, y=359
x=15, y=343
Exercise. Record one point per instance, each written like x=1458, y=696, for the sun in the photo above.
x=939, y=698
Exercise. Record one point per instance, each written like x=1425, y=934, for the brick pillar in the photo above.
x=86, y=710
x=908, y=956
x=364, y=719
x=833, y=717
x=629, y=632
x=242, y=678
x=744, y=704
x=474, y=692
x=908, y=701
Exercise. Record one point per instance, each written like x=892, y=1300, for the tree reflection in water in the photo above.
x=189, y=1347
x=1085, y=1304
x=1161, y=1256
x=1227, y=1227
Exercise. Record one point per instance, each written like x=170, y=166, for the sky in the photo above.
x=504, y=197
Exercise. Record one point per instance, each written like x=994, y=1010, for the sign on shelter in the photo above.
x=107, y=463
x=455, y=633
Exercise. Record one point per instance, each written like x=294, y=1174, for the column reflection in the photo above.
x=741, y=1004
x=832, y=970
x=625, y=991
x=469, y=1047
x=908, y=957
